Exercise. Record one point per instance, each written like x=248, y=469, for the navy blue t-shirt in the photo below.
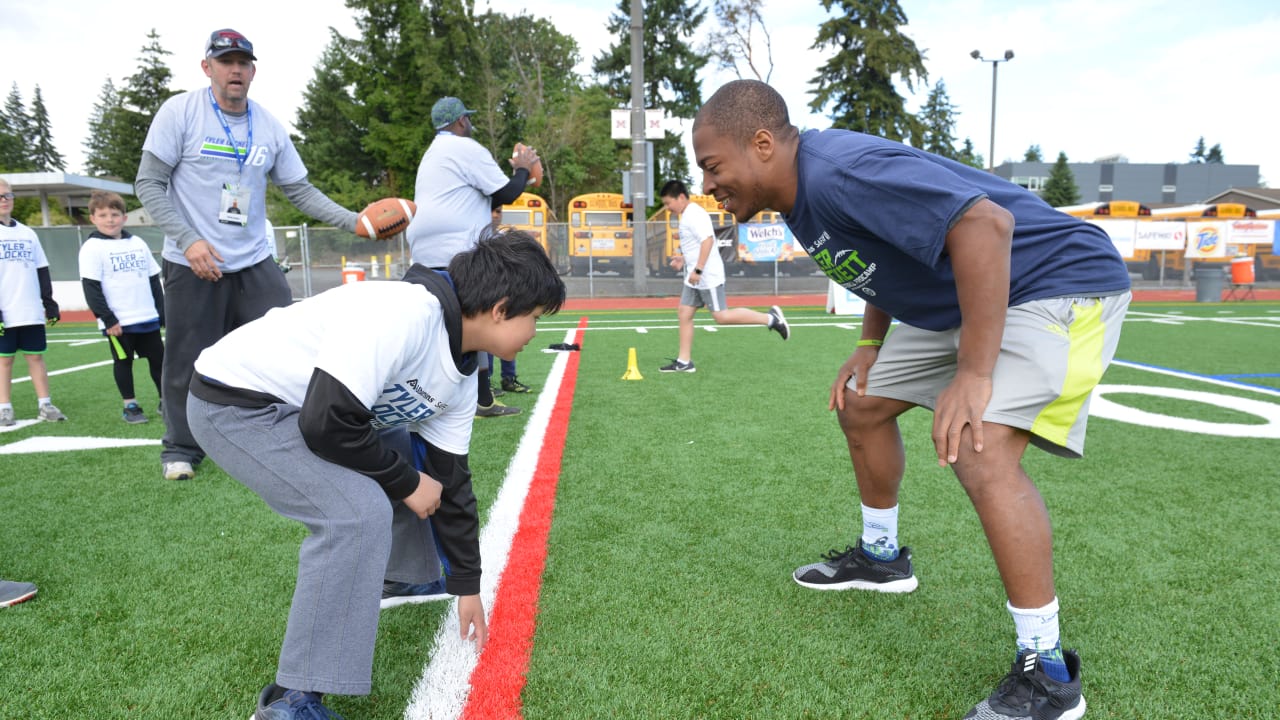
x=874, y=213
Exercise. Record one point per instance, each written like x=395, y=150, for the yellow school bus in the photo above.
x=1267, y=262
x=1141, y=261
x=662, y=237
x=1175, y=263
x=600, y=234
x=530, y=213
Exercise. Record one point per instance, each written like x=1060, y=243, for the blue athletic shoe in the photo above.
x=277, y=703
x=399, y=593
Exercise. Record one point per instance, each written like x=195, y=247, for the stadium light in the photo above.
x=995, y=63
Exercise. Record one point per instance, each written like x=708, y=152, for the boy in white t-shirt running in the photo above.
x=704, y=281
x=121, y=282
x=26, y=306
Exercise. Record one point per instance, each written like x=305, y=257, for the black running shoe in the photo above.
x=1027, y=693
x=513, y=385
x=851, y=569
x=677, y=366
x=778, y=323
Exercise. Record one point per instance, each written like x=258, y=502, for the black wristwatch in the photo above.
x=698, y=270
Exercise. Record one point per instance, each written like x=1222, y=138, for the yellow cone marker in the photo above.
x=633, y=370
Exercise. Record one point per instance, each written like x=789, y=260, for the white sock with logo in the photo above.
x=880, y=533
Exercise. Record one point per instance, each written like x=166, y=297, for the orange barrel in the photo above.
x=1242, y=270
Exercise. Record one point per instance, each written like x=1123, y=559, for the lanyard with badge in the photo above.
x=233, y=208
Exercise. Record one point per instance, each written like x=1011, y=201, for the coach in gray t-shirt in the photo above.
x=203, y=178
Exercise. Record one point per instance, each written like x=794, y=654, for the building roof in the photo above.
x=1259, y=197
x=73, y=190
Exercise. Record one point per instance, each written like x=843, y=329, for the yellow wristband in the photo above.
x=870, y=342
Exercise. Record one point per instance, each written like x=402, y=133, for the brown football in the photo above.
x=385, y=218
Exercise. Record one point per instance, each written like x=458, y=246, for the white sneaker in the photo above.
x=6, y=417
x=49, y=413
x=178, y=470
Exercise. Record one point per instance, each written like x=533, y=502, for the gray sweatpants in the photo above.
x=358, y=537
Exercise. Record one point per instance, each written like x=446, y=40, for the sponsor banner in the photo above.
x=1160, y=235
x=1206, y=239
x=1121, y=233
x=1251, y=231
x=844, y=302
x=765, y=242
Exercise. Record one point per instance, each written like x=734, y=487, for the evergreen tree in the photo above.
x=1198, y=155
x=671, y=69
x=938, y=123
x=856, y=84
x=101, y=146
x=15, y=134
x=1033, y=154
x=1214, y=155
x=44, y=154
x=1061, y=187
x=736, y=43
x=969, y=156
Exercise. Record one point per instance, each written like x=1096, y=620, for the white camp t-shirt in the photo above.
x=695, y=226
x=124, y=266
x=20, y=256
x=187, y=135
x=456, y=178
x=392, y=353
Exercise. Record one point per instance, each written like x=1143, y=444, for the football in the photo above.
x=385, y=218
x=535, y=172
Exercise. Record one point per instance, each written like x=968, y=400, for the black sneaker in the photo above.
x=496, y=409
x=496, y=391
x=677, y=366
x=399, y=593
x=851, y=569
x=277, y=703
x=133, y=414
x=1027, y=693
x=778, y=323
x=512, y=385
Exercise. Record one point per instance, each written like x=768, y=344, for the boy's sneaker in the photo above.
x=1027, y=693
x=12, y=593
x=177, y=470
x=49, y=413
x=851, y=569
x=6, y=417
x=399, y=593
x=496, y=409
x=512, y=385
x=133, y=414
x=277, y=703
x=778, y=323
x=497, y=391
x=677, y=366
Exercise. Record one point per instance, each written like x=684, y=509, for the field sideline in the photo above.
x=660, y=576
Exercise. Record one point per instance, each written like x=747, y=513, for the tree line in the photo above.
x=365, y=116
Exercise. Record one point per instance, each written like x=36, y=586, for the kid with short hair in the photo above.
x=300, y=414
x=121, y=283
x=26, y=305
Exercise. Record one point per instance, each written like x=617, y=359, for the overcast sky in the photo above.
x=1141, y=78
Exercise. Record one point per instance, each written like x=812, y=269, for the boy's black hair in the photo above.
x=507, y=266
x=673, y=189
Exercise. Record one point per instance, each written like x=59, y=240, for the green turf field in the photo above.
x=684, y=503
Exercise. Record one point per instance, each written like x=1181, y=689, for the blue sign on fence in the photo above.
x=765, y=242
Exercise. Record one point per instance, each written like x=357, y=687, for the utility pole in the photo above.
x=995, y=64
x=639, y=202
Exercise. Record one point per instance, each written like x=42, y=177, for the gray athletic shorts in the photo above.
x=1053, y=353
x=710, y=298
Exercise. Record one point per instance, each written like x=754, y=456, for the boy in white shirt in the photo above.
x=26, y=305
x=121, y=283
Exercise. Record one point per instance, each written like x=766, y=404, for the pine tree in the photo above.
x=938, y=122
x=44, y=154
x=1061, y=187
x=970, y=156
x=855, y=86
x=1198, y=155
x=1214, y=155
x=120, y=120
x=100, y=144
x=1033, y=154
x=15, y=134
x=671, y=69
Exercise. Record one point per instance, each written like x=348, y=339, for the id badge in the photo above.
x=234, y=207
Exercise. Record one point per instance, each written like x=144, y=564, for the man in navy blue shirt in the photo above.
x=1007, y=314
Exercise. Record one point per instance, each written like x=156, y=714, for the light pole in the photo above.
x=995, y=63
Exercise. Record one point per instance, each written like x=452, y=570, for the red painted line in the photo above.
x=499, y=676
